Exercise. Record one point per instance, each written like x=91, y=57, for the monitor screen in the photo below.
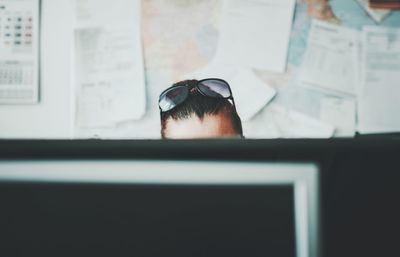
x=158, y=208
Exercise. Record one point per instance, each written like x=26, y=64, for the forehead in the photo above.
x=211, y=126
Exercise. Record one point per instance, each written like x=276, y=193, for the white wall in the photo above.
x=52, y=117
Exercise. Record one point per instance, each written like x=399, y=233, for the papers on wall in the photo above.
x=19, y=51
x=341, y=113
x=294, y=124
x=275, y=121
x=379, y=95
x=377, y=14
x=213, y=70
x=109, y=73
x=255, y=33
x=331, y=61
x=250, y=93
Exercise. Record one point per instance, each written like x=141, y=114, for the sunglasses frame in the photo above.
x=230, y=97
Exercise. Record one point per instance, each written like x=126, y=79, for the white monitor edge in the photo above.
x=303, y=176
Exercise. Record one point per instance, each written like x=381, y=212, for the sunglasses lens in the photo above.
x=215, y=88
x=173, y=97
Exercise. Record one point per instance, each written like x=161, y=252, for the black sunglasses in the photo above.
x=176, y=95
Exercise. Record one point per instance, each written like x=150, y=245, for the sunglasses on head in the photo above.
x=176, y=95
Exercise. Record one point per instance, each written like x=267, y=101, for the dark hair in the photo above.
x=200, y=105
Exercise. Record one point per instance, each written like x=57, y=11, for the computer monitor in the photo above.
x=158, y=208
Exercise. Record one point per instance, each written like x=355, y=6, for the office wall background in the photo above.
x=53, y=116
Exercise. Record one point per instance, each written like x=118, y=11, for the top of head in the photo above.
x=201, y=116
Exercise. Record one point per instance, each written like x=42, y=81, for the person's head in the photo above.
x=192, y=109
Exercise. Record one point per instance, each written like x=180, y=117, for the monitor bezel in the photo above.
x=303, y=176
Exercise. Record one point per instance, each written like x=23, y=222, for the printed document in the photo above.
x=255, y=33
x=378, y=99
x=251, y=94
x=331, y=61
x=109, y=73
x=341, y=113
x=276, y=121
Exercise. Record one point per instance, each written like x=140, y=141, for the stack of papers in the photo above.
x=345, y=64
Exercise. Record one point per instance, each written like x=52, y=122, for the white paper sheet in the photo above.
x=332, y=58
x=213, y=70
x=341, y=113
x=276, y=121
x=251, y=94
x=255, y=33
x=89, y=13
x=378, y=99
x=109, y=71
x=377, y=14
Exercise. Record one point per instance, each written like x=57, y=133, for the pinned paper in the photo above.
x=332, y=58
x=255, y=34
x=378, y=99
x=250, y=93
x=276, y=121
x=341, y=113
